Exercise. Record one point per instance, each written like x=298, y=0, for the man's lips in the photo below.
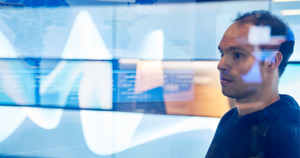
x=225, y=80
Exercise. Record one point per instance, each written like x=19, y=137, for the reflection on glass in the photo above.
x=148, y=86
x=90, y=133
x=74, y=55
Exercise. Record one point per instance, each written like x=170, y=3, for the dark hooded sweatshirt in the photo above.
x=273, y=132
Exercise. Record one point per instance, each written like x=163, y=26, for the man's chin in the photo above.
x=229, y=94
x=235, y=95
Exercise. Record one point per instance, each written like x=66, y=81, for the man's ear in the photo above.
x=275, y=62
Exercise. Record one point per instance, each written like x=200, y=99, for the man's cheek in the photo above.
x=253, y=76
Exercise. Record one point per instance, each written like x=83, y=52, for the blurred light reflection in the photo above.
x=290, y=12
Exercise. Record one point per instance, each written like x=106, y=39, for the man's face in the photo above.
x=238, y=63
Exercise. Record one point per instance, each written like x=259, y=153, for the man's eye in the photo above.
x=222, y=54
x=237, y=55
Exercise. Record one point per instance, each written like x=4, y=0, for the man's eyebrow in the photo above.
x=234, y=48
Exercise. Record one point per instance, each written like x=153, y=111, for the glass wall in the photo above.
x=38, y=132
x=119, y=79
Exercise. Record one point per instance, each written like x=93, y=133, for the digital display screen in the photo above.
x=121, y=78
x=66, y=55
x=43, y=132
x=88, y=84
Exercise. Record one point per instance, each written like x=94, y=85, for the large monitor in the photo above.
x=118, y=78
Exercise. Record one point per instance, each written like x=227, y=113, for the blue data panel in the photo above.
x=17, y=84
x=126, y=86
x=89, y=84
x=154, y=86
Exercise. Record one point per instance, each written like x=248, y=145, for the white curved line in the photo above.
x=6, y=50
x=85, y=41
x=45, y=118
x=10, y=119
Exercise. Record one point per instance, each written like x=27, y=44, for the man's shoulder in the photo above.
x=288, y=111
x=282, y=137
x=288, y=100
x=286, y=118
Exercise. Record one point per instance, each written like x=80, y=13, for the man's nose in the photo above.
x=223, y=65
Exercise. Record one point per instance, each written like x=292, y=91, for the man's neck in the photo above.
x=256, y=102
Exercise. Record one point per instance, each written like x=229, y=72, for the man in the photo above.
x=263, y=123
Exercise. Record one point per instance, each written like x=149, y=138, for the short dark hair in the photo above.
x=278, y=28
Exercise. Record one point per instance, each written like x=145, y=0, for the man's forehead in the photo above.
x=238, y=31
x=236, y=36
